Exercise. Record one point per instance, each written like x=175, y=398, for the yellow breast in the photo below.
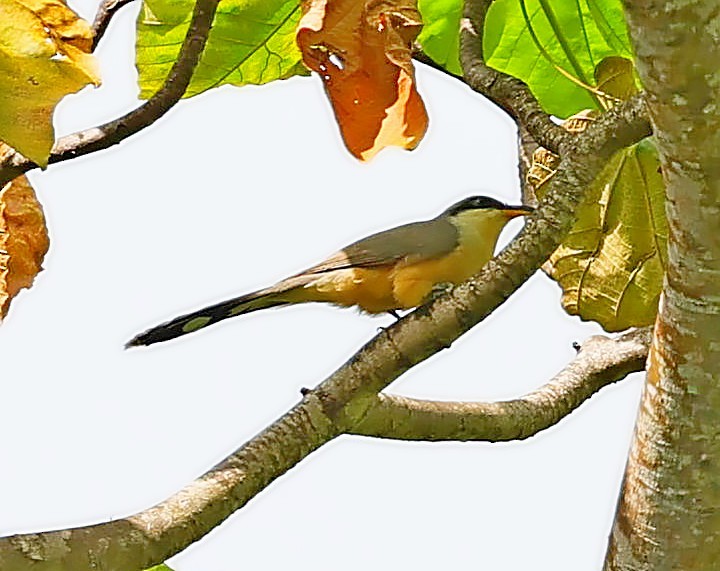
x=478, y=230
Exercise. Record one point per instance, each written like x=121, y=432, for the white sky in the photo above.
x=231, y=191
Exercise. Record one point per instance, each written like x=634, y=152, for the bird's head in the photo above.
x=488, y=204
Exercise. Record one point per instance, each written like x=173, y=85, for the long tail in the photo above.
x=263, y=299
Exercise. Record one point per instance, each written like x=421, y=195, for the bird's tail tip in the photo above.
x=136, y=341
x=170, y=330
x=199, y=319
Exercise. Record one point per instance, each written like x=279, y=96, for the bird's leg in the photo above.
x=395, y=314
x=437, y=290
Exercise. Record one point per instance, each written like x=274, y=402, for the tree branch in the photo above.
x=114, y=132
x=509, y=93
x=152, y=536
x=600, y=362
x=106, y=10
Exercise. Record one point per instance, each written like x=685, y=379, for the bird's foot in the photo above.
x=438, y=290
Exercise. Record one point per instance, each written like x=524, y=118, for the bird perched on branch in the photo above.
x=395, y=269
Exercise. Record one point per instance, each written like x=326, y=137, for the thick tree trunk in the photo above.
x=669, y=511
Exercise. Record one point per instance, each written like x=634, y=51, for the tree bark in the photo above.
x=669, y=511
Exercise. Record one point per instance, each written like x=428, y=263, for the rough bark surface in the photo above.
x=669, y=511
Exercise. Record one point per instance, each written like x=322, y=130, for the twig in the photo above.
x=509, y=93
x=106, y=10
x=114, y=132
x=419, y=55
x=600, y=362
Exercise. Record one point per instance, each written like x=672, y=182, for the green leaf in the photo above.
x=611, y=264
x=440, y=37
x=251, y=42
x=161, y=567
x=531, y=39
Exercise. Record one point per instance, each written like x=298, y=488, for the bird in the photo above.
x=396, y=269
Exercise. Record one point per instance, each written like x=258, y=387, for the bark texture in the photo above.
x=599, y=362
x=669, y=511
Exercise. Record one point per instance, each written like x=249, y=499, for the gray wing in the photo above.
x=417, y=241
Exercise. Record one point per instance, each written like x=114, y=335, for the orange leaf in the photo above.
x=362, y=51
x=23, y=239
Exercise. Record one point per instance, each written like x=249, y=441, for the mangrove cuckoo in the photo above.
x=395, y=269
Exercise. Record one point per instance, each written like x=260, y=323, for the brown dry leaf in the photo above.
x=43, y=57
x=23, y=239
x=362, y=51
x=545, y=163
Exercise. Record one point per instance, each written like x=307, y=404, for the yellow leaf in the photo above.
x=362, y=51
x=23, y=239
x=43, y=57
x=615, y=76
x=611, y=264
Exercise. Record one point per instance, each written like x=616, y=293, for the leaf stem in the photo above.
x=105, y=13
x=554, y=24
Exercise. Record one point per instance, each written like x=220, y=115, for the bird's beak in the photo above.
x=522, y=210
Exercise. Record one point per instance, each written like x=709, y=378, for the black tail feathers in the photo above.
x=200, y=319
